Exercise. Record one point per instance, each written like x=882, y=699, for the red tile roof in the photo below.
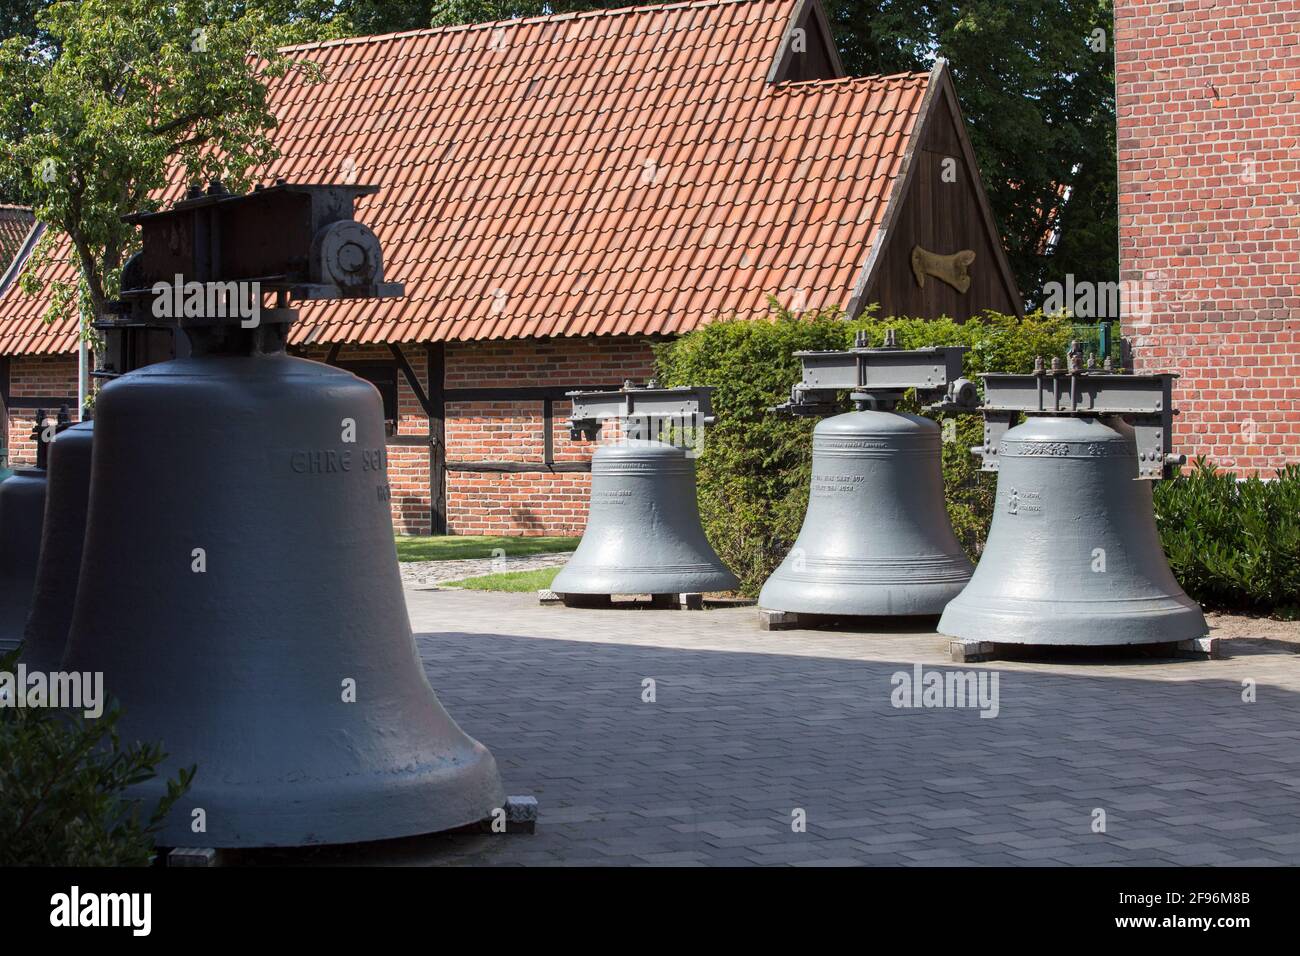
x=610, y=172
x=16, y=223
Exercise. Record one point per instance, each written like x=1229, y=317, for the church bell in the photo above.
x=240, y=590
x=643, y=533
x=1073, y=556
x=22, y=516
x=876, y=539
x=66, y=498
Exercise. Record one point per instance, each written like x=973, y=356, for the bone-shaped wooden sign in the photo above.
x=953, y=269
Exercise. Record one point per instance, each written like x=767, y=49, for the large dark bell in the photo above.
x=66, y=498
x=876, y=539
x=643, y=532
x=22, y=512
x=239, y=584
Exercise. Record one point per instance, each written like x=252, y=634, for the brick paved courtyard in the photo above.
x=749, y=726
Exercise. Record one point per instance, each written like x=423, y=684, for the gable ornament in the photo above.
x=953, y=269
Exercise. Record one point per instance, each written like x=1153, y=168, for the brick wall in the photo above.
x=477, y=502
x=1208, y=99
x=530, y=502
x=37, y=376
x=501, y=502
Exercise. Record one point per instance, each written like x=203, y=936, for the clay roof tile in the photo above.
x=608, y=172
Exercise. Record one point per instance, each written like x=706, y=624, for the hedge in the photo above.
x=1234, y=543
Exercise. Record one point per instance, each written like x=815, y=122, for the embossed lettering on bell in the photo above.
x=241, y=591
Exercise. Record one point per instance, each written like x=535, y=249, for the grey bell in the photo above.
x=239, y=581
x=876, y=539
x=22, y=513
x=22, y=516
x=66, y=500
x=239, y=588
x=1073, y=556
x=643, y=533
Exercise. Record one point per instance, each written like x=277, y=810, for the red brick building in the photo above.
x=1208, y=100
x=559, y=193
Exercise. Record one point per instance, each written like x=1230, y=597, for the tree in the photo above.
x=1036, y=81
x=369, y=17
x=18, y=17
x=124, y=92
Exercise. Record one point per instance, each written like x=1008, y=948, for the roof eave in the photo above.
x=894, y=203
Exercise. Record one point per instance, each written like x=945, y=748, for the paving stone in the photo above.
x=749, y=725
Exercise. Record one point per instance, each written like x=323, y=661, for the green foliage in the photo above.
x=18, y=17
x=1234, y=544
x=518, y=581
x=459, y=547
x=62, y=779
x=114, y=94
x=755, y=467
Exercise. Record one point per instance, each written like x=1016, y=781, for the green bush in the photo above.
x=61, y=790
x=755, y=467
x=1233, y=544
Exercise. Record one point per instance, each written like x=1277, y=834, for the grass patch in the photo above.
x=509, y=581
x=453, y=547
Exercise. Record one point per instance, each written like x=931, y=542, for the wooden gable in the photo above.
x=938, y=217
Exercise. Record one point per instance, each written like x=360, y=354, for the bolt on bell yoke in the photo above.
x=876, y=540
x=643, y=533
x=1073, y=556
x=239, y=588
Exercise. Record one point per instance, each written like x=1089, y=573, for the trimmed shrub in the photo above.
x=755, y=467
x=62, y=779
x=1234, y=544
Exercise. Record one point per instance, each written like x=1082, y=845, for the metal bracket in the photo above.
x=295, y=241
x=209, y=259
x=1144, y=401
x=878, y=378
x=640, y=408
